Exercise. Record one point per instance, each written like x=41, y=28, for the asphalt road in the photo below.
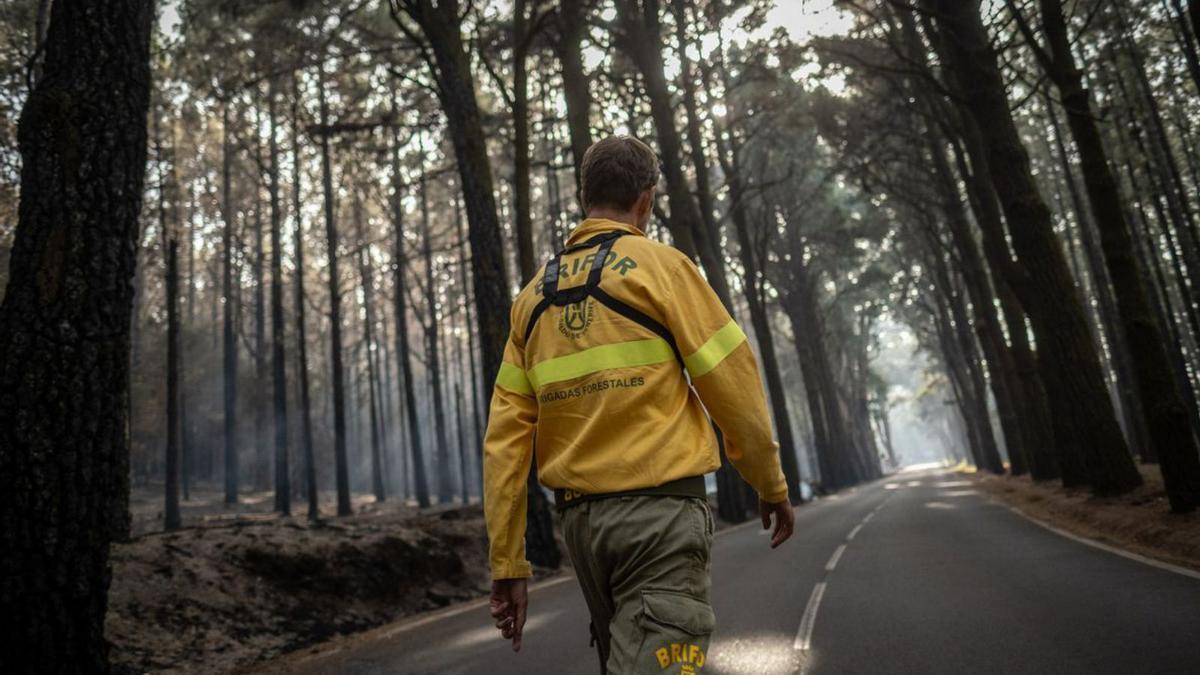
x=917, y=573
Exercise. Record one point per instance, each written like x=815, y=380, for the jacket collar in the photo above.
x=593, y=226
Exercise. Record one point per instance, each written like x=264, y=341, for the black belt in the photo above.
x=692, y=486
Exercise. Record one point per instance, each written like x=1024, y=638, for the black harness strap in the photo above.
x=552, y=295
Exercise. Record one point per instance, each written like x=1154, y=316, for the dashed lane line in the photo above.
x=809, y=620
x=804, y=634
x=833, y=560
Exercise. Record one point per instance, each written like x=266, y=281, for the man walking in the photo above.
x=618, y=347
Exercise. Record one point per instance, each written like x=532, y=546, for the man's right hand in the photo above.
x=785, y=519
x=509, y=602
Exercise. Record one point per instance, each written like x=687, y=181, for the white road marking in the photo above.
x=809, y=620
x=833, y=561
x=1103, y=547
x=804, y=635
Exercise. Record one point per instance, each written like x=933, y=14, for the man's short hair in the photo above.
x=615, y=171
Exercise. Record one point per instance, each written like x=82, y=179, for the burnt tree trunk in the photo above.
x=306, y=441
x=261, y=457
x=403, y=350
x=283, y=488
x=368, y=294
x=476, y=413
x=450, y=64
x=170, y=246
x=445, y=488
x=341, y=464
x=451, y=69
x=229, y=337
x=65, y=334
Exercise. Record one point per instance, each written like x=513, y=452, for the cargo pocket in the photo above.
x=675, y=632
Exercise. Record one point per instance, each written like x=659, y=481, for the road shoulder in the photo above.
x=1139, y=523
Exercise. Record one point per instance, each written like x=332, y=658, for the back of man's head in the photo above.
x=616, y=171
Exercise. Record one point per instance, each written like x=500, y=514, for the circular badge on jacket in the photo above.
x=576, y=318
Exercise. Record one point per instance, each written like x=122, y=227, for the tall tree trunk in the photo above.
x=765, y=338
x=956, y=368
x=283, y=488
x=1043, y=421
x=1056, y=310
x=1026, y=390
x=262, y=460
x=171, y=517
x=187, y=441
x=1109, y=322
x=462, y=443
x=523, y=224
x=433, y=354
x=1187, y=42
x=403, y=350
x=1001, y=366
x=641, y=40
x=974, y=387
x=64, y=443
x=476, y=413
x=441, y=24
x=695, y=138
x=1194, y=15
x=1152, y=261
x=572, y=25
x=335, y=311
x=310, y=466
x=368, y=294
x=1167, y=416
x=230, y=352
x=801, y=305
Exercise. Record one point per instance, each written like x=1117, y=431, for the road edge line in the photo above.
x=1129, y=555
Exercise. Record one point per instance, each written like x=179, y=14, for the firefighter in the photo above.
x=619, y=353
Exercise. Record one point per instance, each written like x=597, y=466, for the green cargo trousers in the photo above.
x=643, y=564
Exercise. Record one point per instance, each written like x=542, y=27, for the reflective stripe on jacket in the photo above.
x=603, y=400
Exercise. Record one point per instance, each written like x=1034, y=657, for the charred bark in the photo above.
x=341, y=464
x=65, y=335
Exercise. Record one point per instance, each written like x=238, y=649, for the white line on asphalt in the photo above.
x=833, y=561
x=1104, y=547
x=809, y=620
x=804, y=635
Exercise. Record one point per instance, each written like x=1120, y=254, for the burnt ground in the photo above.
x=237, y=587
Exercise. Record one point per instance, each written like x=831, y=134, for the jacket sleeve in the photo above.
x=507, y=457
x=725, y=374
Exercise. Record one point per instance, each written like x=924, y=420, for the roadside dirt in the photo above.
x=1140, y=521
x=233, y=590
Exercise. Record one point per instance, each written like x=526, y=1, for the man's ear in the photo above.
x=645, y=205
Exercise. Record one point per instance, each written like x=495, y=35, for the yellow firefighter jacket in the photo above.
x=603, y=398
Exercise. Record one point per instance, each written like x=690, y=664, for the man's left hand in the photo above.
x=510, y=601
